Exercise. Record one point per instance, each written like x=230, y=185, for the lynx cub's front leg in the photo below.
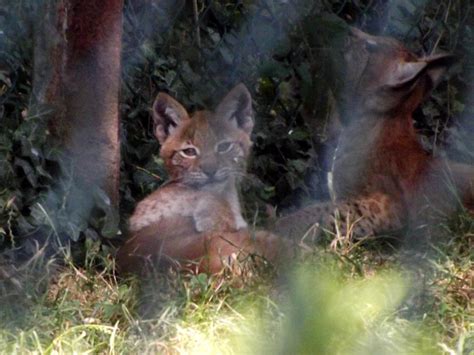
x=234, y=203
x=240, y=222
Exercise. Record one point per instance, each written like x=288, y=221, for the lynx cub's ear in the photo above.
x=237, y=108
x=167, y=115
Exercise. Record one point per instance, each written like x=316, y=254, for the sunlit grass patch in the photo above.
x=184, y=313
x=449, y=305
x=216, y=329
x=330, y=313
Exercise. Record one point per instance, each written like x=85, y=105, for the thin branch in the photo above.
x=442, y=31
x=196, y=23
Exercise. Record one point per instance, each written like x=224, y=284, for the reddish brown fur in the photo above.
x=396, y=163
x=395, y=151
x=197, y=252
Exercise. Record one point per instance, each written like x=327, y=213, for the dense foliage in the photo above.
x=286, y=52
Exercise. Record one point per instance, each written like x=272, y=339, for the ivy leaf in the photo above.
x=27, y=170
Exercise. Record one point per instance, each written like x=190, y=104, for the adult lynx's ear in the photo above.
x=167, y=115
x=237, y=108
x=438, y=65
x=433, y=66
x=405, y=73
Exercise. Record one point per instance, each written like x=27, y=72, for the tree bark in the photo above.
x=77, y=72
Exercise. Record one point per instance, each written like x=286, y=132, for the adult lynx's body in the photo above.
x=196, y=219
x=382, y=176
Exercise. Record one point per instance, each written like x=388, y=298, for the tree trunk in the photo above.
x=77, y=72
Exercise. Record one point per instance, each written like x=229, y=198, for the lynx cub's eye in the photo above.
x=189, y=152
x=224, y=147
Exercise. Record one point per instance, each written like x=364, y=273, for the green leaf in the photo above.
x=28, y=171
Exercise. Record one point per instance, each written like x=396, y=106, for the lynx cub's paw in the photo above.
x=204, y=222
x=205, y=217
x=240, y=223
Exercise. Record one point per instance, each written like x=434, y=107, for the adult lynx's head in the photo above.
x=205, y=148
x=384, y=78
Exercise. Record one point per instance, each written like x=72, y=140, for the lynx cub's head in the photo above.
x=205, y=148
x=384, y=77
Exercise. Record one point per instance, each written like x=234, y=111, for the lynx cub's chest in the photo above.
x=176, y=204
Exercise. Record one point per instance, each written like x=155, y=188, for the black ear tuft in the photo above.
x=237, y=107
x=167, y=115
x=438, y=65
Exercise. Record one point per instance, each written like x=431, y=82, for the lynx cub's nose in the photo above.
x=209, y=168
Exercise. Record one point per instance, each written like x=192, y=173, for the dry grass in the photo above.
x=368, y=300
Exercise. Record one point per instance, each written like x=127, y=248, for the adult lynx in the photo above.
x=195, y=218
x=382, y=176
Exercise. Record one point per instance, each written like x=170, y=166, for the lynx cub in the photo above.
x=382, y=176
x=196, y=218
